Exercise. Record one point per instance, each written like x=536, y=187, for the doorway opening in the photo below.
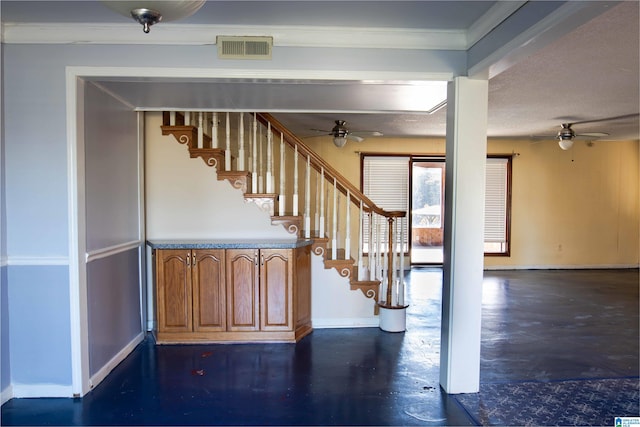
x=427, y=211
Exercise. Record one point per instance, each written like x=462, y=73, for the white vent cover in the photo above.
x=235, y=47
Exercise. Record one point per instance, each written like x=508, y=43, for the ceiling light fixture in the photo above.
x=340, y=133
x=339, y=141
x=146, y=17
x=565, y=136
x=149, y=13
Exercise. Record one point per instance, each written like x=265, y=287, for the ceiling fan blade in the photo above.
x=606, y=119
x=354, y=138
x=327, y=132
x=364, y=133
x=592, y=134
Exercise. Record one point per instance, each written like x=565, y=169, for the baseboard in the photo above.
x=42, y=390
x=115, y=361
x=563, y=267
x=6, y=394
x=347, y=322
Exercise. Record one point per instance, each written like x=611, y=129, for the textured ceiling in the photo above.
x=591, y=73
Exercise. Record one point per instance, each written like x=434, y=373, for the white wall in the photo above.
x=112, y=164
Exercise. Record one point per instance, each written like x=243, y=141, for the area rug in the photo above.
x=566, y=403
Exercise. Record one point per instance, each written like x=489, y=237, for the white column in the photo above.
x=172, y=118
x=466, y=149
x=187, y=118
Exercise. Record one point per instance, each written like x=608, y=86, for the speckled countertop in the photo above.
x=228, y=244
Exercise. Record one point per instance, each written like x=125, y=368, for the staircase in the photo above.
x=254, y=153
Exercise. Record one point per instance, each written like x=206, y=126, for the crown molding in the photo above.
x=283, y=36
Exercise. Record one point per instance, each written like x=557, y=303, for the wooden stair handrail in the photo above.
x=318, y=163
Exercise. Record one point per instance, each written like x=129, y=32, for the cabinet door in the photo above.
x=173, y=281
x=208, y=290
x=276, y=275
x=242, y=290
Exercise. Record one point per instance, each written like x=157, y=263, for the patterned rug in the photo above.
x=567, y=403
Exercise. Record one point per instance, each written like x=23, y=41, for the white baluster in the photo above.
x=316, y=214
x=361, y=269
x=282, y=204
x=227, y=151
x=187, y=118
x=241, y=153
x=371, y=248
x=272, y=165
x=269, y=178
x=401, y=282
x=214, y=130
x=307, y=199
x=347, y=239
x=295, y=181
x=322, y=219
x=383, y=254
x=254, y=169
x=172, y=118
x=200, y=130
x=260, y=161
x=334, y=230
x=394, y=260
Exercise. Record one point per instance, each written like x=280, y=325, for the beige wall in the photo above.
x=576, y=208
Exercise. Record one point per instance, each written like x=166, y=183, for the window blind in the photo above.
x=385, y=180
x=495, y=215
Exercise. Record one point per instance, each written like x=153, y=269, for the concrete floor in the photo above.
x=540, y=326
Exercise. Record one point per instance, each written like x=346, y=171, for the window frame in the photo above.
x=506, y=252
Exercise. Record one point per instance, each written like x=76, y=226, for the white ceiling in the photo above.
x=589, y=74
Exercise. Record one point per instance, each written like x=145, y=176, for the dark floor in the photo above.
x=558, y=347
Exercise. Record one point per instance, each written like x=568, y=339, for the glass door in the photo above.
x=427, y=209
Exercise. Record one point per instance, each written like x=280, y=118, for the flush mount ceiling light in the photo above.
x=148, y=13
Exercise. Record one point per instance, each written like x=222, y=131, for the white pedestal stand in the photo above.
x=393, y=318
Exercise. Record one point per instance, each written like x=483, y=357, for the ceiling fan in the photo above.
x=566, y=134
x=341, y=134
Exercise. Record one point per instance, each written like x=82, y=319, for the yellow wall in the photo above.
x=576, y=208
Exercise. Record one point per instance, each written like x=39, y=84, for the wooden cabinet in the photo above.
x=242, y=290
x=190, y=291
x=248, y=295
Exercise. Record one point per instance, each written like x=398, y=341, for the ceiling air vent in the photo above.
x=232, y=47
